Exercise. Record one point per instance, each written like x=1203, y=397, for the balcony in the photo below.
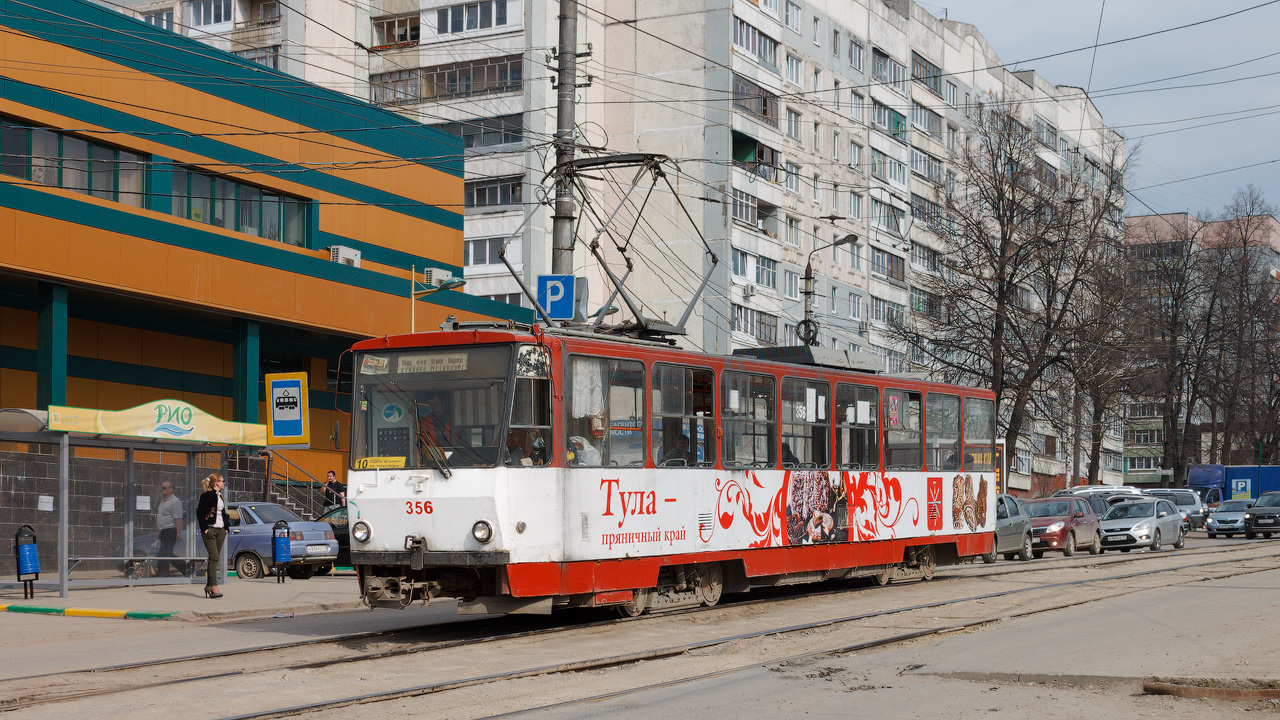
x=257, y=33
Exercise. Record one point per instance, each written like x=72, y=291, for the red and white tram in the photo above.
x=520, y=471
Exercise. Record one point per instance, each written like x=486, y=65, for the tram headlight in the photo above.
x=482, y=531
x=360, y=531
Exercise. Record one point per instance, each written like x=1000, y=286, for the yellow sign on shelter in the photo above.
x=158, y=420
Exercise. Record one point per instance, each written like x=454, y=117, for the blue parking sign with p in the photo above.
x=555, y=295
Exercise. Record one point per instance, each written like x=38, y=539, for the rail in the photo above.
x=293, y=487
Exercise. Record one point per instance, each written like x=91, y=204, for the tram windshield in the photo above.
x=417, y=408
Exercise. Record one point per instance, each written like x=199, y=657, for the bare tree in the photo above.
x=1020, y=243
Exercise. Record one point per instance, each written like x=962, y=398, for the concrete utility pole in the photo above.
x=566, y=90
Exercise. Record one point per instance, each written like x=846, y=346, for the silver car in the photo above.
x=1142, y=523
x=1228, y=518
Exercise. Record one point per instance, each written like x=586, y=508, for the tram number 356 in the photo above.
x=416, y=507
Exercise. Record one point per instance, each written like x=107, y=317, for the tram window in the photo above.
x=942, y=431
x=683, y=416
x=857, y=440
x=979, y=435
x=747, y=420
x=806, y=429
x=605, y=399
x=421, y=407
x=902, y=436
x=529, y=438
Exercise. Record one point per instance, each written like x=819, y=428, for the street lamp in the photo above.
x=807, y=329
x=450, y=283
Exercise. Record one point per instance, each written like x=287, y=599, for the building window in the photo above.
x=832, y=302
x=486, y=132
x=754, y=42
x=817, y=31
x=790, y=285
x=767, y=273
x=886, y=217
x=508, y=298
x=770, y=7
x=884, y=311
x=793, y=124
x=1046, y=133
x=1023, y=461
x=855, y=106
x=889, y=120
x=740, y=262
x=925, y=303
x=888, y=71
x=1143, y=410
x=855, y=306
x=855, y=54
x=744, y=208
x=489, y=193
x=835, y=43
x=950, y=95
x=855, y=207
x=793, y=232
x=835, y=146
x=929, y=212
x=926, y=120
x=793, y=16
x=226, y=203
x=159, y=18
x=817, y=137
x=817, y=85
x=817, y=181
x=470, y=16
x=927, y=166
x=396, y=87
x=792, y=181
x=925, y=258
x=926, y=73
x=268, y=56
x=479, y=77
x=63, y=160
x=835, y=95
x=482, y=251
x=755, y=157
x=1147, y=436
x=397, y=31
x=202, y=13
x=1139, y=464
x=888, y=168
x=794, y=66
x=755, y=100
x=760, y=325
x=855, y=155
x=887, y=264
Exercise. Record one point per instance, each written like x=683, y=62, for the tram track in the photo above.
x=110, y=674
x=704, y=646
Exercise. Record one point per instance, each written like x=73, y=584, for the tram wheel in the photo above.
x=710, y=583
x=636, y=606
x=928, y=562
x=884, y=577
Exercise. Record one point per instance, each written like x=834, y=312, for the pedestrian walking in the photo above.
x=214, y=521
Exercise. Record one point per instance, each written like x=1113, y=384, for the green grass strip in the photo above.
x=35, y=609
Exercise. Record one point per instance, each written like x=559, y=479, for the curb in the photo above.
x=1213, y=693
x=87, y=612
x=195, y=616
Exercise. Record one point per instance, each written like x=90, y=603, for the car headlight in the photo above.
x=1248, y=516
x=1141, y=527
x=1055, y=527
x=482, y=531
x=360, y=531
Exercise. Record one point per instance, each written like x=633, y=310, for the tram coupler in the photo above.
x=416, y=545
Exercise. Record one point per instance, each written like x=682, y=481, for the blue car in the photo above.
x=249, y=540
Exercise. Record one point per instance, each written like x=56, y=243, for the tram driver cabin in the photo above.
x=520, y=471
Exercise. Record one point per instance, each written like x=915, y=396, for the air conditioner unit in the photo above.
x=748, y=290
x=344, y=255
x=436, y=277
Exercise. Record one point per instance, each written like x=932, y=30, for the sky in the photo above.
x=1163, y=174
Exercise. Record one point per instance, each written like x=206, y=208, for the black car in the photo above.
x=1263, y=517
x=337, y=517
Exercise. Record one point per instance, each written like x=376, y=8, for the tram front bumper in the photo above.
x=431, y=558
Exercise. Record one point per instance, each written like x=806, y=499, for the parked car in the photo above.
x=1102, y=489
x=1228, y=519
x=1187, y=501
x=1063, y=523
x=337, y=519
x=1142, y=523
x=1264, y=516
x=1013, y=531
x=249, y=541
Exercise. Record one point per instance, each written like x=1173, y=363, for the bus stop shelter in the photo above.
x=87, y=481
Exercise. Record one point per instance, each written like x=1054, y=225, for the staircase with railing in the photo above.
x=293, y=487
